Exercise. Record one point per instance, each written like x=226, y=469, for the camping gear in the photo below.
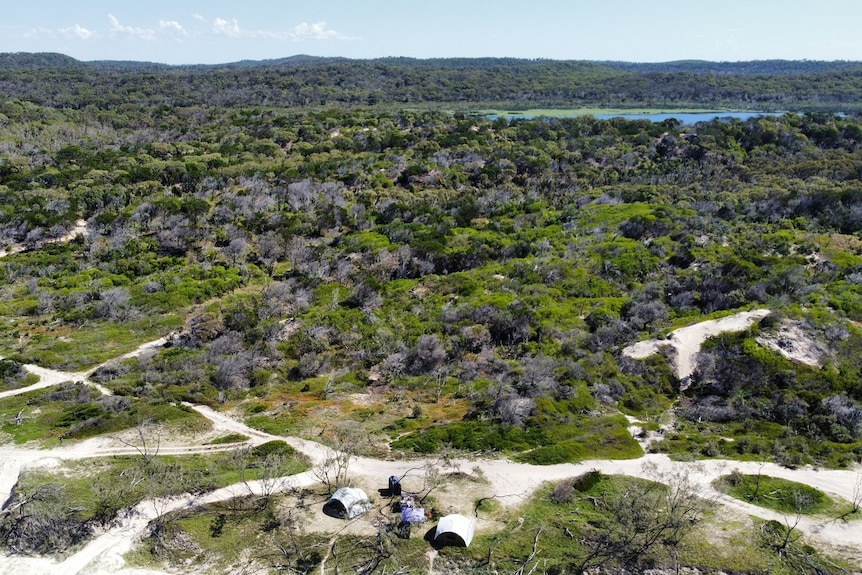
x=413, y=515
x=394, y=486
x=455, y=530
x=347, y=502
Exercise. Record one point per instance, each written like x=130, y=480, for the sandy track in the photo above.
x=511, y=482
x=50, y=377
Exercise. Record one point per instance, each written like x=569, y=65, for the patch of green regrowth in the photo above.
x=791, y=554
x=649, y=425
x=720, y=544
x=753, y=440
x=65, y=504
x=75, y=411
x=775, y=493
x=275, y=447
x=487, y=506
x=403, y=425
x=229, y=438
x=278, y=424
x=605, y=437
x=468, y=435
x=90, y=344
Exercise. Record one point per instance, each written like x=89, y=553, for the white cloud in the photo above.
x=226, y=27
x=78, y=32
x=141, y=33
x=172, y=26
x=316, y=31
x=304, y=31
x=40, y=32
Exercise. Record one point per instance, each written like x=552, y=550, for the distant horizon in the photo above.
x=538, y=59
x=198, y=32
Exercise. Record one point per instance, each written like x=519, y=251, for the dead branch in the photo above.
x=532, y=556
x=495, y=496
x=148, y=449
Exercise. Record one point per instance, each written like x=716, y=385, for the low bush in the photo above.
x=774, y=493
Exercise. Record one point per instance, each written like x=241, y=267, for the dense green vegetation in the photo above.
x=483, y=272
x=61, y=81
x=338, y=259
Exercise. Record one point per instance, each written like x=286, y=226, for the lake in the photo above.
x=684, y=117
x=689, y=117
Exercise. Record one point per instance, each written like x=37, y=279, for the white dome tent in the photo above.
x=454, y=530
x=347, y=502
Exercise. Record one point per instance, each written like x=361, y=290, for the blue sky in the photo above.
x=218, y=31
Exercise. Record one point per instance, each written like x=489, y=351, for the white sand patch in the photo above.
x=80, y=229
x=683, y=345
x=645, y=437
x=13, y=249
x=794, y=343
x=685, y=342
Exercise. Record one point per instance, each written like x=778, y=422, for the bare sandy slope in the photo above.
x=685, y=342
x=511, y=483
x=13, y=249
x=80, y=228
x=795, y=343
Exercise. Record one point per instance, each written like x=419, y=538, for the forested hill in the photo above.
x=58, y=80
x=753, y=67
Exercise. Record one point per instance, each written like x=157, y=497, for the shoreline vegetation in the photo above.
x=575, y=112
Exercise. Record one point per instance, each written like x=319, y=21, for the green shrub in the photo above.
x=275, y=447
x=229, y=438
x=774, y=493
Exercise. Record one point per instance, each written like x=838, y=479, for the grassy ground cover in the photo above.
x=776, y=493
x=58, y=508
x=74, y=411
x=75, y=348
x=752, y=441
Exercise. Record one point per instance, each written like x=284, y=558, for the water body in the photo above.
x=683, y=117
x=689, y=117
